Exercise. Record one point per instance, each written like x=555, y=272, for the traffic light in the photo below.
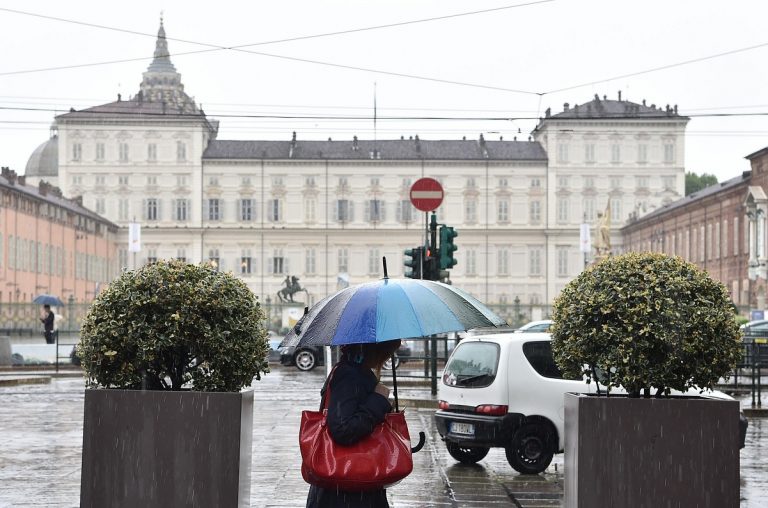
x=413, y=265
x=431, y=265
x=447, y=247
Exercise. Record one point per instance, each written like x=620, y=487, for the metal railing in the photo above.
x=754, y=359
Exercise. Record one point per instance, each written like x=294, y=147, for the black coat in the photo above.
x=48, y=321
x=354, y=409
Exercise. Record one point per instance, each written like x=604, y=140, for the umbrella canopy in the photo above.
x=51, y=300
x=390, y=309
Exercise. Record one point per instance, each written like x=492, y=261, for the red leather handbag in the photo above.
x=377, y=461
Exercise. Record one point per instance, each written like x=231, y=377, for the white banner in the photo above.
x=134, y=237
x=584, y=239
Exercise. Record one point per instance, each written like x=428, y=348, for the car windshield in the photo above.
x=472, y=364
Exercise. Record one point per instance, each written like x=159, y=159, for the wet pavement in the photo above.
x=41, y=433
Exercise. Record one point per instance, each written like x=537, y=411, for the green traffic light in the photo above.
x=447, y=247
x=413, y=265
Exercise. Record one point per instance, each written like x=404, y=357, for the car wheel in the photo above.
x=305, y=360
x=388, y=363
x=530, y=451
x=466, y=454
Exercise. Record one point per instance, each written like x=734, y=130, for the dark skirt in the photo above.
x=327, y=498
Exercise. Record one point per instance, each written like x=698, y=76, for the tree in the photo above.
x=171, y=324
x=646, y=320
x=694, y=182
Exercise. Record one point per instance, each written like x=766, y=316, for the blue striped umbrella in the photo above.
x=390, y=309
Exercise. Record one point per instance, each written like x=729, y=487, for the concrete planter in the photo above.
x=164, y=448
x=678, y=453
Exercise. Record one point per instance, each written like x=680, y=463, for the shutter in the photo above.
x=382, y=211
x=270, y=265
x=351, y=211
x=159, y=209
x=206, y=208
x=222, y=264
x=336, y=206
x=188, y=215
x=286, y=265
x=144, y=209
x=239, y=210
x=399, y=211
x=367, y=211
x=221, y=209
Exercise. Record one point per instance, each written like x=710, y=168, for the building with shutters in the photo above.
x=50, y=245
x=327, y=211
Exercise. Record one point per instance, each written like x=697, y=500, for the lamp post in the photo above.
x=756, y=266
x=585, y=244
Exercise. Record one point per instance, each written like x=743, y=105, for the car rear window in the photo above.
x=472, y=365
x=539, y=355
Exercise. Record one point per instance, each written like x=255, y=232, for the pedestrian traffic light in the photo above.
x=447, y=247
x=413, y=260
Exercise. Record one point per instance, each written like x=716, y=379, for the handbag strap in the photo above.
x=326, y=387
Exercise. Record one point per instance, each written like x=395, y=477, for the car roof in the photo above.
x=508, y=337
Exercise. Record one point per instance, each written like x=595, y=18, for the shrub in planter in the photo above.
x=175, y=343
x=648, y=323
x=169, y=324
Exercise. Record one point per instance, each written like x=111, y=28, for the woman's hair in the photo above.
x=371, y=355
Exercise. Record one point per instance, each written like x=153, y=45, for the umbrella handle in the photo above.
x=420, y=444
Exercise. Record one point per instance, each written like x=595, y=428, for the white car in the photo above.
x=505, y=390
x=535, y=326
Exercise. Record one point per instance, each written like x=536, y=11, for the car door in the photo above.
x=537, y=386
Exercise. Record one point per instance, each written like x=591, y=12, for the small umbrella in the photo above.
x=51, y=300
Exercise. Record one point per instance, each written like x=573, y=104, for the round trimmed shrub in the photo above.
x=172, y=324
x=645, y=321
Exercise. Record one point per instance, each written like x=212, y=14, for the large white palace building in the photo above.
x=327, y=211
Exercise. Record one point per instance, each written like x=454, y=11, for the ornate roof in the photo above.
x=620, y=109
x=411, y=149
x=44, y=161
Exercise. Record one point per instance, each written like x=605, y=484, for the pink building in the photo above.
x=721, y=228
x=49, y=244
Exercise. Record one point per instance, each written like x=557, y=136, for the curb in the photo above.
x=16, y=381
x=417, y=403
x=755, y=412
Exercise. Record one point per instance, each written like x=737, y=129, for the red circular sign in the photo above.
x=426, y=194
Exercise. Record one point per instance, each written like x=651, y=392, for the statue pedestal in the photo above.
x=292, y=312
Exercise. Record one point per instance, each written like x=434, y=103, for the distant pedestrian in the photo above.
x=357, y=405
x=48, y=321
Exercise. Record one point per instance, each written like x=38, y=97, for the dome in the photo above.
x=44, y=161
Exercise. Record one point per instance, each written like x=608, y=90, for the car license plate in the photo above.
x=463, y=428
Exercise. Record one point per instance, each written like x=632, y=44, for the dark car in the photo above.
x=755, y=335
x=308, y=357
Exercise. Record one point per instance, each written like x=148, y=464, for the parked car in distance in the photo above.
x=505, y=390
x=535, y=326
x=274, y=346
x=755, y=330
x=306, y=358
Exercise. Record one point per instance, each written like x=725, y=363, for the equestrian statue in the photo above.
x=292, y=287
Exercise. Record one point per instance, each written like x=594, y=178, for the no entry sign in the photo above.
x=426, y=194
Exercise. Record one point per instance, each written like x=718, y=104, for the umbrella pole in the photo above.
x=394, y=383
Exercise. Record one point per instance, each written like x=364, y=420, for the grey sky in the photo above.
x=541, y=48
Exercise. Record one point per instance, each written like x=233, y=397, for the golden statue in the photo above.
x=603, y=233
